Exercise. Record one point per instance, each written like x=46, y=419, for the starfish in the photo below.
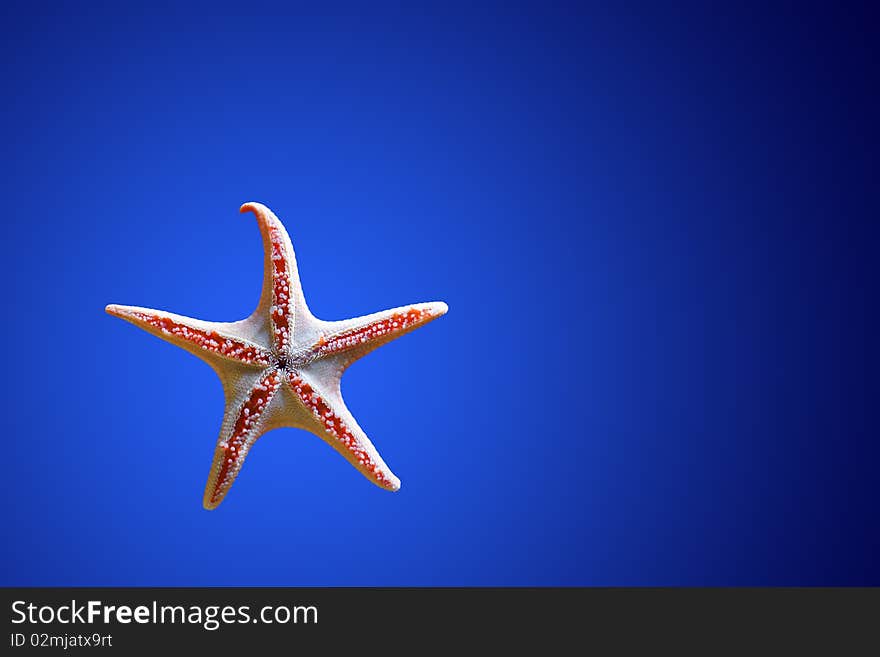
x=282, y=367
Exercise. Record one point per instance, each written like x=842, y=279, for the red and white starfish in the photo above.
x=281, y=367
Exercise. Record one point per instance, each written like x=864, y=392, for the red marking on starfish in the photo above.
x=280, y=291
x=338, y=429
x=206, y=340
x=232, y=452
x=387, y=327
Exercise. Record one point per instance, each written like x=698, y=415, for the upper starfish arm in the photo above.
x=204, y=339
x=282, y=290
x=355, y=338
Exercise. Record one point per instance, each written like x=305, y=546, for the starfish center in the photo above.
x=293, y=362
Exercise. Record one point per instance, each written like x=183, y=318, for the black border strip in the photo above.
x=418, y=620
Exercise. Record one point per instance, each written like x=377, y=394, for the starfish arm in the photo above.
x=281, y=299
x=355, y=338
x=206, y=340
x=243, y=424
x=333, y=423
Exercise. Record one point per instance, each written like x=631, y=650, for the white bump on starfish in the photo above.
x=282, y=366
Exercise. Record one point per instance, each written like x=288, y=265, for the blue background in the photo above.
x=656, y=230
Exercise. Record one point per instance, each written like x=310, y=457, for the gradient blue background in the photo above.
x=656, y=230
